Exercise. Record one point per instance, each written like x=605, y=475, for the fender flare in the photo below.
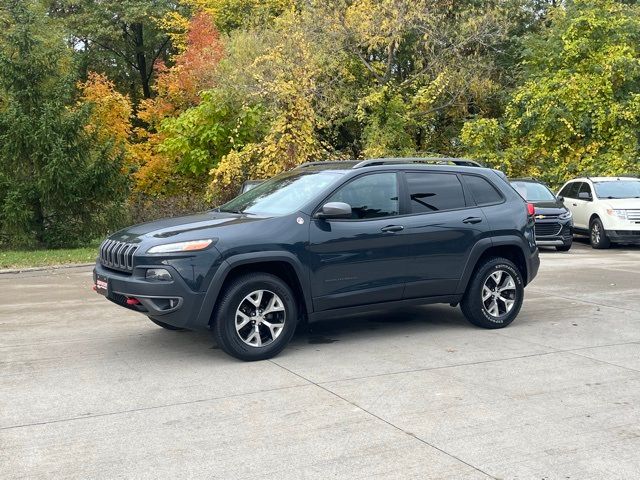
x=480, y=248
x=227, y=265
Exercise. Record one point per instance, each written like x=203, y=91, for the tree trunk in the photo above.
x=141, y=59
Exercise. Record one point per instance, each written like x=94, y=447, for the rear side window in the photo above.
x=483, y=192
x=434, y=192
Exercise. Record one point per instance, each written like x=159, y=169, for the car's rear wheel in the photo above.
x=256, y=317
x=597, y=235
x=165, y=325
x=494, y=295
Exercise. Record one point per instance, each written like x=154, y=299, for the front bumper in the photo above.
x=171, y=302
x=624, y=236
x=533, y=265
x=553, y=232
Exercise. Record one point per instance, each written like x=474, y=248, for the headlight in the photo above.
x=566, y=215
x=192, y=246
x=615, y=212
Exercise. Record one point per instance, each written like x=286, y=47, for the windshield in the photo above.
x=283, y=194
x=533, y=192
x=618, y=189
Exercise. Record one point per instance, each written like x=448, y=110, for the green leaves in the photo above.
x=60, y=183
x=576, y=111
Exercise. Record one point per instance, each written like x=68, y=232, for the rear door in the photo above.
x=441, y=229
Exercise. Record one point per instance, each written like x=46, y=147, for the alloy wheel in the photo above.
x=260, y=318
x=595, y=233
x=499, y=293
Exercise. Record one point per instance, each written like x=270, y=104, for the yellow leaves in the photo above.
x=110, y=118
x=111, y=111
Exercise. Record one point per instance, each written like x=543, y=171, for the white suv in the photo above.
x=605, y=208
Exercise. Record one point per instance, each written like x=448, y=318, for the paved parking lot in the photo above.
x=89, y=390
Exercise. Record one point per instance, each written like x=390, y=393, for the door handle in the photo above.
x=574, y=204
x=472, y=220
x=392, y=228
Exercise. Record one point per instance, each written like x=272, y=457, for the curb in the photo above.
x=47, y=268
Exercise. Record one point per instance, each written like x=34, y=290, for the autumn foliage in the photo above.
x=179, y=87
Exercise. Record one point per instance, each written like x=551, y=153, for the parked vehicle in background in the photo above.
x=325, y=239
x=605, y=208
x=554, y=224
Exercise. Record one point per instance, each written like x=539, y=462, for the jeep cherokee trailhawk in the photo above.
x=327, y=239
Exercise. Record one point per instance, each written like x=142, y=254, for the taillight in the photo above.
x=531, y=209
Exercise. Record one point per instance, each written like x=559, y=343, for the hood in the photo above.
x=622, y=203
x=549, y=207
x=189, y=227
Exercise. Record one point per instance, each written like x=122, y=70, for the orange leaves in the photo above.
x=178, y=88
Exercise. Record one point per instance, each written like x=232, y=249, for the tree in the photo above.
x=122, y=39
x=577, y=110
x=60, y=182
x=179, y=87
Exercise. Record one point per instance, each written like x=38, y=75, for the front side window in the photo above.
x=434, y=192
x=585, y=188
x=370, y=196
x=618, y=189
x=570, y=190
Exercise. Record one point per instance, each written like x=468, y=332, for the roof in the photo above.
x=603, y=179
x=374, y=162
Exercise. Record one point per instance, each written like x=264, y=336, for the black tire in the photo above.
x=231, y=300
x=166, y=325
x=472, y=303
x=597, y=235
x=564, y=248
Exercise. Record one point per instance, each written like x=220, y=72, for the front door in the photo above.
x=580, y=206
x=360, y=260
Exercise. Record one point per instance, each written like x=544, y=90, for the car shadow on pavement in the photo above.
x=403, y=321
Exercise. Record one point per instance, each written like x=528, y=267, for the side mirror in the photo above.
x=560, y=198
x=334, y=210
x=584, y=196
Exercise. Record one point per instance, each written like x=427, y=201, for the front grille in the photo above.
x=634, y=214
x=550, y=229
x=117, y=255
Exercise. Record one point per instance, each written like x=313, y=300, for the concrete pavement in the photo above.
x=90, y=390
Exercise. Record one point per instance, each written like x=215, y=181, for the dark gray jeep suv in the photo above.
x=326, y=239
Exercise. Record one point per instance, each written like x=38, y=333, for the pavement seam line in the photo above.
x=412, y=435
x=604, y=361
x=153, y=407
x=579, y=300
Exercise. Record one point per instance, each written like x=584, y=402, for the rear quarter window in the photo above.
x=482, y=190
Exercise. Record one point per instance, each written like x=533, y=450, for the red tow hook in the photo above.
x=133, y=301
x=94, y=288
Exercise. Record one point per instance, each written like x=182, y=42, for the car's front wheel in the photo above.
x=494, y=295
x=256, y=317
x=597, y=235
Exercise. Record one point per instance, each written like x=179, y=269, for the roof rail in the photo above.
x=462, y=162
x=322, y=162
